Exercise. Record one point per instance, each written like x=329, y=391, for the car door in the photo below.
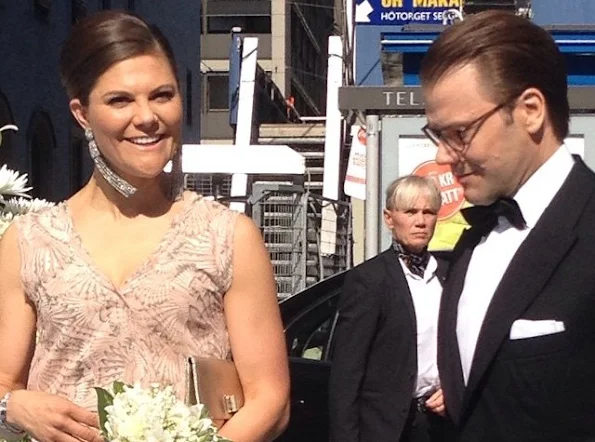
x=309, y=339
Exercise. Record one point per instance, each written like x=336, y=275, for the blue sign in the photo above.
x=402, y=12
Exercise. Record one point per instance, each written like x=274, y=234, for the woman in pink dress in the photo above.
x=132, y=274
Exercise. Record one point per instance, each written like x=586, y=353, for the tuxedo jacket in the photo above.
x=374, y=361
x=539, y=386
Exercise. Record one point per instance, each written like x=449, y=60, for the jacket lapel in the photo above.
x=530, y=269
x=399, y=285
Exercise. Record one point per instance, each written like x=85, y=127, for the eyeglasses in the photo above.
x=459, y=139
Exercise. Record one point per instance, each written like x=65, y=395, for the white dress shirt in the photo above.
x=494, y=253
x=426, y=294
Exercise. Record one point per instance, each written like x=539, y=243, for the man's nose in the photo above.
x=445, y=155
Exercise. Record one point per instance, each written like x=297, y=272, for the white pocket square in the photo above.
x=524, y=328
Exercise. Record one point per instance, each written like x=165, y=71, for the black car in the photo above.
x=309, y=320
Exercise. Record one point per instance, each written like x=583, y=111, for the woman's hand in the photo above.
x=435, y=403
x=50, y=418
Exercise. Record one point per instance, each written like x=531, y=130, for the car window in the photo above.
x=315, y=345
x=309, y=337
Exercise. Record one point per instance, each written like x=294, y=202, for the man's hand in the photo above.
x=435, y=403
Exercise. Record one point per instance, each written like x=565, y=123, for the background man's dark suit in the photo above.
x=540, y=388
x=374, y=367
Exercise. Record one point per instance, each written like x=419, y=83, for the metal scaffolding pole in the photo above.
x=372, y=211
x=239, y=181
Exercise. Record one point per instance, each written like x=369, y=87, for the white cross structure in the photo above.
x=253, y=159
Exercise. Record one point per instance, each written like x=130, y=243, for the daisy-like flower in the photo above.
x=20, y=206
x=11, y=183
x=154, y=414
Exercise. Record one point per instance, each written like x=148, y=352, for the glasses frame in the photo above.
x=460, y=145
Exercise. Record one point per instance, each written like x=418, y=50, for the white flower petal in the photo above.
x=11, y=183
x=155, y=414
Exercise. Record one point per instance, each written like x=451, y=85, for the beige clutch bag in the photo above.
x=215, y=382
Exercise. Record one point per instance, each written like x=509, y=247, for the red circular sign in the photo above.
x=450, y=189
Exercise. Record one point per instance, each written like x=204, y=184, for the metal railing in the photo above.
x=291, y=221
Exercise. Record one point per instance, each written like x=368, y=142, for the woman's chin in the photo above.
x=143, y=177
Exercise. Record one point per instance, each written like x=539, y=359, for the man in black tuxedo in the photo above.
x=384, y=384
x=516, y=335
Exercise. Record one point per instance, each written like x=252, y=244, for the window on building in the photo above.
x=6, y=117
x=131, y=5
x=43, y=6
x=203, y=22
x=251, y=24
x=105, y=4
x=217, y=91
x=78, y=10
x=42, y=141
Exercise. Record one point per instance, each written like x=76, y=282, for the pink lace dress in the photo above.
x=90, y=333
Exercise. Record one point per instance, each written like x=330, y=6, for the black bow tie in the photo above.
x=415, y=262
x=486, y=217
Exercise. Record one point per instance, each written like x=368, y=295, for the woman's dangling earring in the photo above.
x=114, y=180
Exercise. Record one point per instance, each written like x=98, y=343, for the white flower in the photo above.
x=156, y=415
x=15, y=185
x=20, y=206
x=11, y=183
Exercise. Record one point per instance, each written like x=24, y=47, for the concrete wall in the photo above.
x=216, y=46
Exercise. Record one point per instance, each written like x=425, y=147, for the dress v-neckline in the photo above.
x=187, y=201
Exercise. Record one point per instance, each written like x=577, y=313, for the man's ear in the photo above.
x=532, y=104
x=79, y=112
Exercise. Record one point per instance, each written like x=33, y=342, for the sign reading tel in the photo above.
x=402, y=12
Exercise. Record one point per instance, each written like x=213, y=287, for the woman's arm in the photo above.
x=257, y=341
x=17, y=318
x=44, y=416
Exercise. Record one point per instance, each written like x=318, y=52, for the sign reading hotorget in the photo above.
x=402, y=12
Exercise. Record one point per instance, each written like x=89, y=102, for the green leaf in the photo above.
x=119, y=387
x=104, y=398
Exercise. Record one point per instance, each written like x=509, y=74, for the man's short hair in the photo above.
x=403, y=192
x=511, y=54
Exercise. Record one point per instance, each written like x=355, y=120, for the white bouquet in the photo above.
x=14, y=197
x=135, y=414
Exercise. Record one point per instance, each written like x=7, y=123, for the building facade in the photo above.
x=49, y=145
x=292, y=52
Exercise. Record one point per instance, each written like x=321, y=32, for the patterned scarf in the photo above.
x=415, y=262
